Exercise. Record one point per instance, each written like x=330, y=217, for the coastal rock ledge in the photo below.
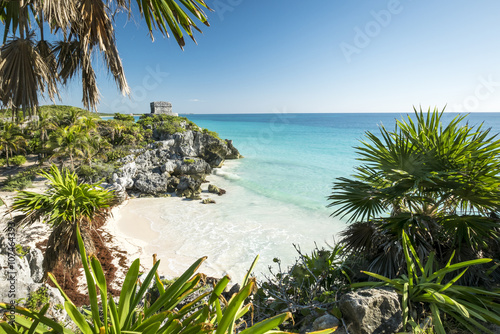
x=372, y=311
x=177, y=163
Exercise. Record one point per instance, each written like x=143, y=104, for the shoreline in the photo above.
x=131, y=229
x=232, y=232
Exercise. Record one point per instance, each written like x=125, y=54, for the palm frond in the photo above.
x=159, y=14
x=24, y=74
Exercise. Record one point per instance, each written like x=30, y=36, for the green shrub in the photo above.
x=166, y=124
x=95, y=173
x=22, y=250
x=309, y=286
x=37, y=299
x=20, y=181
x=123, y=117
x=169, y=128
x=18, y=160
x=211, y=133
x=3, y=162
x=128, y=139
x=426, y=286
x=117, y=152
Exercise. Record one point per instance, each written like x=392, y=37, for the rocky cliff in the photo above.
x=178, y=163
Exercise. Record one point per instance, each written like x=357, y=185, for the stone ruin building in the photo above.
x=162, y=108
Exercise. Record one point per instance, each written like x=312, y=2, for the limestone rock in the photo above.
x=19, y=276
x=193, y=166
x=325, y=322
x=191, y=153
x=372, y=311
x=188, y=187
x=119, y=191
x=213, y=189
x=22, y=290
x=152, y=183
x=173, y=182
x=35, y=262
x=233, y=152
x=208, y=201
x=169, y=166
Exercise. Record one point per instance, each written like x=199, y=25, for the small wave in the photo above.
x=227, y=175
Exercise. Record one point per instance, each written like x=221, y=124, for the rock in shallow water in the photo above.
x=372, y=311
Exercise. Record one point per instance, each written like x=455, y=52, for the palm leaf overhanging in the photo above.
x=439, y=183
x=30, y=66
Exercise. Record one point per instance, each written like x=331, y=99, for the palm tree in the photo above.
x=63, y=206
x=439, y=183
x=88, y=123
x=11, y=140
x=29, y=65
x=116, y=131
x=68, y=142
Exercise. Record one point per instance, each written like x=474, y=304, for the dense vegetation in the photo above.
x=77, y=139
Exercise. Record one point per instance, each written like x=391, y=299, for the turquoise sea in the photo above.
x=294, y=158
x=277, y=195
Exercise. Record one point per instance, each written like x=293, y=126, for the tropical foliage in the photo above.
x=469, y=306
x=207, y=313
x=11, y=140
x=437, y=182
x=64, y=206
x=34, y=61
x=307, y=289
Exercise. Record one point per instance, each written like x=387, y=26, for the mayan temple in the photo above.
x=161, y=107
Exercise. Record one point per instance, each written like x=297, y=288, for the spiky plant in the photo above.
x=63, y=206
x=438, y=182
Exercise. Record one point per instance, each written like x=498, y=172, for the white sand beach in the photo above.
x=231, y=233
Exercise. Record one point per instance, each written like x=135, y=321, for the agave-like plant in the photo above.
x=207, y=313
x=64, y=206
x=438, y=182
x=469, y=306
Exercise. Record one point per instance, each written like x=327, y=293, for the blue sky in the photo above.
x=264, y=56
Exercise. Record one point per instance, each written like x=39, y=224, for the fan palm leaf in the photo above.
x=86, y=27
x=25, y=73
x=439, y=183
